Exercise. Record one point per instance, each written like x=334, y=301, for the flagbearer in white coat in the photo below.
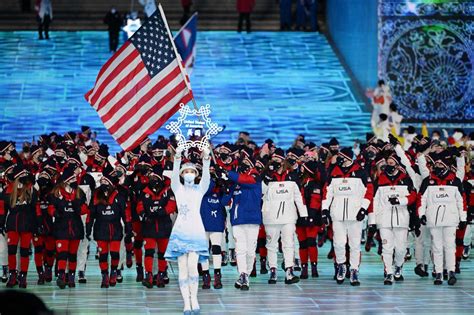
x=441, y=209
x=188, y=243
x=346, y=198
x=281, y=201
x=394, y=198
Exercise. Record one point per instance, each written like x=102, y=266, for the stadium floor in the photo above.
x=318, y=295
x=273, y=84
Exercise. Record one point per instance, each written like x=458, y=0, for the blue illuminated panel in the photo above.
x=274, y=85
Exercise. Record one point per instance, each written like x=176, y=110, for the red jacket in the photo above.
x=185, y=3
x=245, y=6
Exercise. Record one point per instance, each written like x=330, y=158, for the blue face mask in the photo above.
x=189, y=178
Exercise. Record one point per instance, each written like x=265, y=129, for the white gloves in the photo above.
x=206, y=152
x=179, y=151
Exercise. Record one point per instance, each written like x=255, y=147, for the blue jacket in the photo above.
x=213, y=211
x=247, y=199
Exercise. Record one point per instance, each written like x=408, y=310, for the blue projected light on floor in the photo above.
x=274, y=85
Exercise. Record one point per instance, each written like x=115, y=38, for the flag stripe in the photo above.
x=133, y=57
x=138, y=100
x=149, y=118
x=105, y=67
x=136, y=68
x=159, y=118
x=134, y=88
x=125, y=97
x=148, y=101
x=124, y=51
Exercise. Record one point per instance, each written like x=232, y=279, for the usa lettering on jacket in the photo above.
x=443, y=205
x=344, y=198
x=213, y=200
x=282, y=201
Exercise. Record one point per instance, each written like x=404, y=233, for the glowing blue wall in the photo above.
x=352, y=25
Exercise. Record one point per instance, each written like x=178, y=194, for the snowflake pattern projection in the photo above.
x=203, y=114
x=424, y=8
x=429, y=67
x=183, y=210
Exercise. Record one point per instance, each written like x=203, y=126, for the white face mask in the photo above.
x=189, y=178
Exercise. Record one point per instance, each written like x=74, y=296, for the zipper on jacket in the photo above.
x=444, y=212
x=391, y=218
x=437, y=213
x=236, y=211
x=279, y=209
x=283, y=209
x=398, y=221
x=345, y=215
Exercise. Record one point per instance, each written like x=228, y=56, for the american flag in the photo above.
x=142, y=85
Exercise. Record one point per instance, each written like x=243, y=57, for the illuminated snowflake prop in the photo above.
x=197, y=124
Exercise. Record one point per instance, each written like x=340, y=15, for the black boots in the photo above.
x=139, y=273
x=40, y=275
x=22, y=280
x=105, y=280
x=61, y=281
x=12, y=279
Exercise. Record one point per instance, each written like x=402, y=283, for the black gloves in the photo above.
x=470, y=214
x=462, y=225
x=394, y=201
x=392, y=139
x=318, y=219
x=423, y=220
x=88, y=230
x=415, y=224
x=39, y=230
x=372, y=229
x=325, y=216
x=361, y=214
x=454, y=151
x=220, y=172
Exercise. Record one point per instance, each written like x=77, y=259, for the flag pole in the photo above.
x=183, y=71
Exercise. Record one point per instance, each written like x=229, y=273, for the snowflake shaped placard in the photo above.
x=197, y=124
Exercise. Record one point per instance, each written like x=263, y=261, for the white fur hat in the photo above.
x=187, y=166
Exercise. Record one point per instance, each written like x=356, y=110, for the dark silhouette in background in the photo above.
x=186, y=4
x=245, y=7
x=44, y=16
x=113, y=20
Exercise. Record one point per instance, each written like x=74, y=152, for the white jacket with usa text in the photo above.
x=346, y=193
x=281, y=201
x=442, y=201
